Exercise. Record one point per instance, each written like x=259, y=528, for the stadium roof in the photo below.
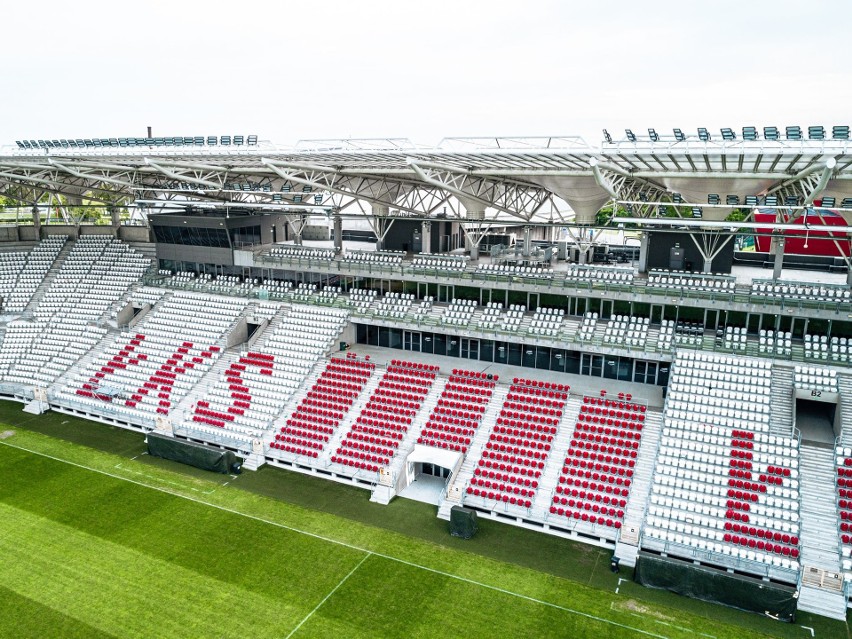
x=558, y=180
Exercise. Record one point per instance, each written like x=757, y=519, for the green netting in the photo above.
x=219, y=461
x=462, y=522
x=709, y=584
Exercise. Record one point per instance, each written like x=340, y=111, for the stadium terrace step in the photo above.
x=781, y=409
x=820, y=601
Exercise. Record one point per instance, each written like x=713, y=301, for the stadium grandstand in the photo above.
x=557, y=336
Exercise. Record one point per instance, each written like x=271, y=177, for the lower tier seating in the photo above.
x=374, y=438
x=319, y=415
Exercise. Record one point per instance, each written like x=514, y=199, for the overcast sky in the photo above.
x=422, y=70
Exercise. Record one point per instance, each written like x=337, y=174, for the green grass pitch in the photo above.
x=96, y=544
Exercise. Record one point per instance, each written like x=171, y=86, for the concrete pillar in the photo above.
x=37, y=222
x=643, y=253
x=583, y=255
x=777, y=247
x=300, y=225
x=472, y=245
x=115, y=217
x=527, y=241
x=708, y=265
x=380, y=211
x=337, y=221
x=426, y=236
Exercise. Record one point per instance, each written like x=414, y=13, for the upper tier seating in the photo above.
x=318, y=416
x=513, y=460
x=783, y=291
x=490, y=316
x=459, y=312
x=629, y=331
x=775, y=342
x=732, y=338
x=361, y=299
x=513, y=318
x=39, y=261
x=97, y=272
x=587, y=327
x=458, y=414
x=595, y=480
x=443, y=263
x=723, y=484
x=301, y=253
x=256, y=385
x=395, y=305
x=546, y=321
x=510, y=270
x=374, y=438
x=592, y=274
x=820, y=347
x=688, y=281
x=379, y=258
x=11, y=265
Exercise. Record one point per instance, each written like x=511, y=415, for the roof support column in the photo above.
x=776, y=247
x=297, y=229
x=37, y=222
x=380, y=211
x=472, y=232
x=426, y=237
x=525, y=251
x=337, y=230
x=115, y=217
x=643, y=252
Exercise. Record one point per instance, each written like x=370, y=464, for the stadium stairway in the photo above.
x=781, y=408
x=821, y=585
x=555, y=461
x=28, y=312
x=844, y=386
x=456, y=488
x=627, y=544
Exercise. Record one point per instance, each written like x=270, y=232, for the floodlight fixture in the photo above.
x=794, y=133
x=840, y=132
x=653, y=135
x=750, y=133
x=728, y=134
x=631, y=137
x=771, y=133
x=713, y=198
x=703, y=134
x=732, y=200
x=607, y=136
x=816, y=132
x=679, y=136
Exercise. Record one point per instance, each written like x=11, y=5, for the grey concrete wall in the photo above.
x=27, y=233
x=125, y=314
x=239, y=334
x=135, y=234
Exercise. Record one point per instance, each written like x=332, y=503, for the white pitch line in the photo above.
x=338, y=542
x=333, y=590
